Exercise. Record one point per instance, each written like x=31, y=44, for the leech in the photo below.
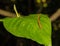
x=39, y=24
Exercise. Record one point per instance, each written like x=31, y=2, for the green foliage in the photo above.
x=27, y=27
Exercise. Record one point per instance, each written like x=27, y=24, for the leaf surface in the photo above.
x=27, y=27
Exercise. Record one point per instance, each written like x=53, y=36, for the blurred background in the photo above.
x=26, y=7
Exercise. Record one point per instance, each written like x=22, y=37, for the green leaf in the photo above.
x=27, y=27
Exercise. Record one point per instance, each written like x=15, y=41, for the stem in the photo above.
x=18, y=15
x=7, y=13
x=55, y=15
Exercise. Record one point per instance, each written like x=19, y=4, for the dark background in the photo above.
x=26, y=7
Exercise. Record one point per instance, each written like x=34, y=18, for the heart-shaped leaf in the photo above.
x=28, y=27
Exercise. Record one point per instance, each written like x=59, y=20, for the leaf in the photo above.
x=27, y=27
